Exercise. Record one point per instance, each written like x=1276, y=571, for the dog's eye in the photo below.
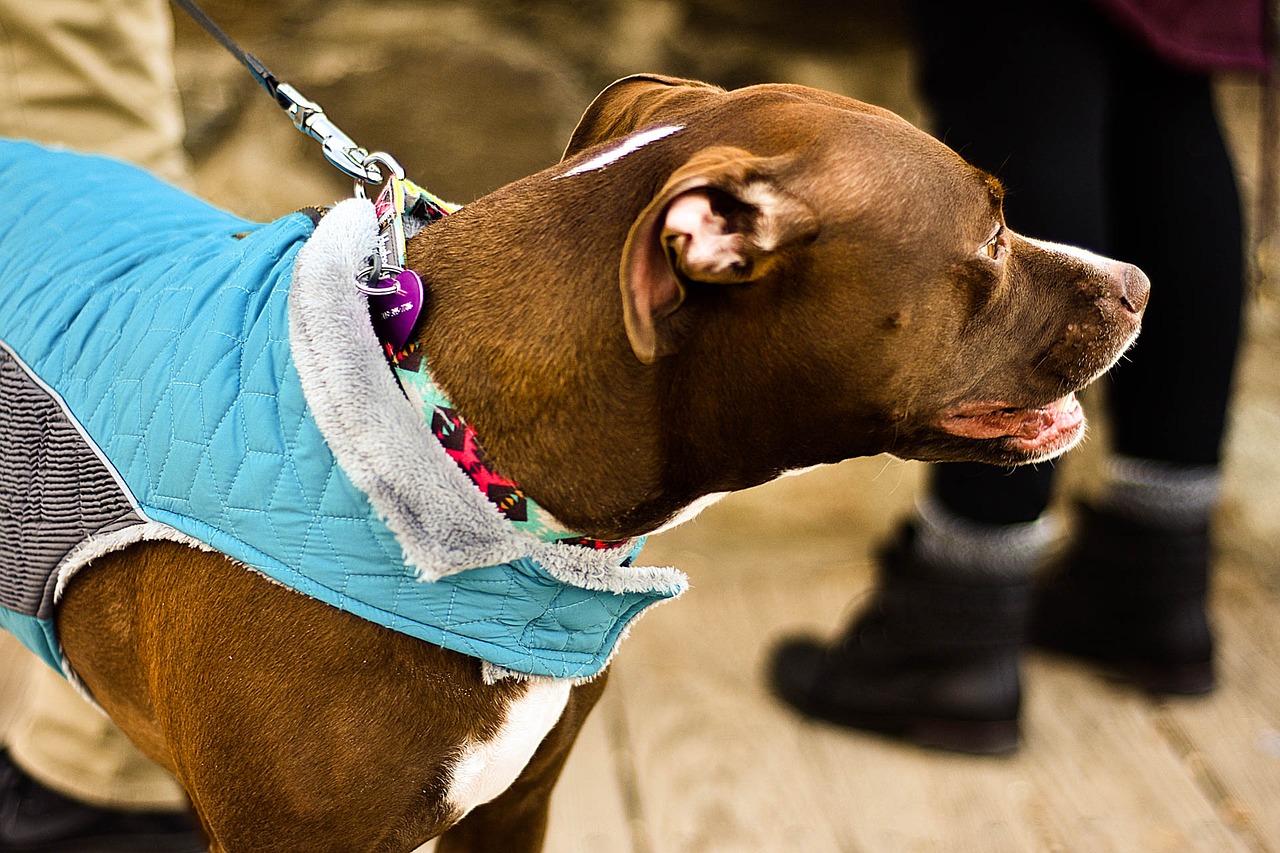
x=993, y=248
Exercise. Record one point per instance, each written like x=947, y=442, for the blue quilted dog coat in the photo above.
x=170, y=371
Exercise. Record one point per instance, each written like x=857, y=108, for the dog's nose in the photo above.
x=1135, y=287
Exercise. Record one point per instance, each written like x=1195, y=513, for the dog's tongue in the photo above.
x=991, y=420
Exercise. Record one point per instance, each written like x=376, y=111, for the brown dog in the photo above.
x=712, y=288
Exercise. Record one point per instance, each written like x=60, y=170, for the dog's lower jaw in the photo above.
x=1036, y=433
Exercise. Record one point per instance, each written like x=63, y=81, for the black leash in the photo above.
x=265, y=78
x=339, y=149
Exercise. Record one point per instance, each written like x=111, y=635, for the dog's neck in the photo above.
x=534, y=354
x=461, y=443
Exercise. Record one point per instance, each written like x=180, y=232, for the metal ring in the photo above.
x=368, y=290
x=373, y=162
x=366, y=274
x=387, y=160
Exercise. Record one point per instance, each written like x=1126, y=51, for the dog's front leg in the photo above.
x=293, y=725
x=516, y=821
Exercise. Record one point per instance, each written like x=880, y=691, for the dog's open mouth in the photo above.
x=1033, y=430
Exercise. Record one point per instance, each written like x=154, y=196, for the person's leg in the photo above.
x=95, y=75
x=76, y=750
x=1131, y=594
x=934, y=658
x=1176, y=215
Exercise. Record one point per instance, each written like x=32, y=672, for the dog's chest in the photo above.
x=485, y=769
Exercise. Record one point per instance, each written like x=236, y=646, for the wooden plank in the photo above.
x=713, y=770
x=1231, y=742
x=589, y=810
x=1102, y=772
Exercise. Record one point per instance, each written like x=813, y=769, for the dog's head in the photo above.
x=869, y=260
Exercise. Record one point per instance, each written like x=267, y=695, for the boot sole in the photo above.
x=999, y=737
x=1158, y=679
x=971, y=737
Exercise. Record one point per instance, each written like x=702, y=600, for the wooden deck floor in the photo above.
x=687, y=753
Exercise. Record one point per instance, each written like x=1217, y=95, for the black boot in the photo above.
x=1130, y=598
x=932, y=660
x=34, y=819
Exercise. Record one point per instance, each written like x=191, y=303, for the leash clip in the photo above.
x=373, y=164
x=388, y=258
x=339, y=149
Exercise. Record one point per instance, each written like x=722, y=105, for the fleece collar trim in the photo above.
x=443, y=523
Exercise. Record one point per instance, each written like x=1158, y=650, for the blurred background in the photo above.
x=471, y=95
x=688, y=752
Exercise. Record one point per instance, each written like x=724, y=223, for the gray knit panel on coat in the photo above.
x=55, y=492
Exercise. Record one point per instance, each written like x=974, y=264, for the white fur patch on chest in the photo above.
x=487, y=768
x=629, y=145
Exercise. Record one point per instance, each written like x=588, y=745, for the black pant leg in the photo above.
x=1022, y=90
x=1176, y=213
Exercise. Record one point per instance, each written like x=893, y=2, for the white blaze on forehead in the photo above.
x=629, y=145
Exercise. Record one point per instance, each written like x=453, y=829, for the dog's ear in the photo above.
x=723, y=218
x=633, y=103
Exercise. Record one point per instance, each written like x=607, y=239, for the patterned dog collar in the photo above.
x=459, y=440
x=403, y=209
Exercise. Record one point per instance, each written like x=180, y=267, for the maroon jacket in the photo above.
x=1206, y=35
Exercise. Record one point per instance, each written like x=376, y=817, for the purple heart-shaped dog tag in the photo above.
x=395, y=314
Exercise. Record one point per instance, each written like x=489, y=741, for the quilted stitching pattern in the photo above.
x=168, y=338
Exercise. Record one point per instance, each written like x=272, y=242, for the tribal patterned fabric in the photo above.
x=460, y=441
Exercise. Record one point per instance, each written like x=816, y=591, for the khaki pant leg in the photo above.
x=16, y=666
x=95, y=75
x=70, y=747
